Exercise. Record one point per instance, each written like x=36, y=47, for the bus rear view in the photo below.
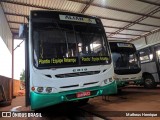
x=69, y=58
x=126, y=64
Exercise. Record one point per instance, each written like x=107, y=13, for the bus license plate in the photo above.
x=83, y=94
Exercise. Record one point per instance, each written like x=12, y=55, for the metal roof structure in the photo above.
x=123, y=20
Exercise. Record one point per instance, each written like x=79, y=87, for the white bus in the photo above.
x=67, y=59
x=150, y=64
x=126, y=62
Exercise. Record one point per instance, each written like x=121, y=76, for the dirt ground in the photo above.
x=133, y=100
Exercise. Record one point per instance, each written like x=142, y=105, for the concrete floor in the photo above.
x=131, y=99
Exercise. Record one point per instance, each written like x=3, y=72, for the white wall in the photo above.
x=5, y=46
x=5, y=60
x=151, y=39
x=5, y=31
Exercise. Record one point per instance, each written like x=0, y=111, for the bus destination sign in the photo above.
x=73, y=60
x=94, y=59
x=124, y=45
x=77, y=19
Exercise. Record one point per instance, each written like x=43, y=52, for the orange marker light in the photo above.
x=33, y=88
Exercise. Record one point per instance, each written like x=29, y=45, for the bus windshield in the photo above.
x=125, y=58
x=61, y=44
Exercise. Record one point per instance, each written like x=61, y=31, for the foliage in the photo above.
x=22, y=75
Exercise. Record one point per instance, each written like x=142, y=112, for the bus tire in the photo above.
x=83, y=101
x=149, y=82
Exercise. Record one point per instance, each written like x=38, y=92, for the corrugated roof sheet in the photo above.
x=18, y=9
x=117, y=39
x=110, y=13
x=14, y=30
x=131, y=5
x=16, y=19
x=123, y=36
x=132, y=32
x=64, y=5
x=113, y=23
x=157, y=14
x=13, y=25
x=151, y=21
x=142, y=27
x=96, y=8
x=110, y=29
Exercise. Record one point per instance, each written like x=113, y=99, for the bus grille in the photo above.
x=73, y=96
x=77, y=74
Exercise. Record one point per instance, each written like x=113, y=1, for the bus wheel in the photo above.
x=149, y=82
x=83, y=101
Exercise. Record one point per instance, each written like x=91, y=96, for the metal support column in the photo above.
x=12, y=94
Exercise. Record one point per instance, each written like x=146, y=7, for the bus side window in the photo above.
x=145, y=55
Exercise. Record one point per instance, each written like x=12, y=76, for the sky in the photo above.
x=19, y=58
x=6, y=59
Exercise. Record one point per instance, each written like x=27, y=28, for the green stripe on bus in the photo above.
x=40, y=100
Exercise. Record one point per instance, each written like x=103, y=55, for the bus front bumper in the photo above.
x=41, y=100
x=125, y=83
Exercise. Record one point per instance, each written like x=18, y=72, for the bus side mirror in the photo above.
x=22, y=31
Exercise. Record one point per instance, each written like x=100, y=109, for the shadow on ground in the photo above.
x=64, y=111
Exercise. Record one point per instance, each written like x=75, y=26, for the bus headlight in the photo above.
x=48, y=89
x=40, y=89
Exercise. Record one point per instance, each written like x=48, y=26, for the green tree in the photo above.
x=22, y=75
